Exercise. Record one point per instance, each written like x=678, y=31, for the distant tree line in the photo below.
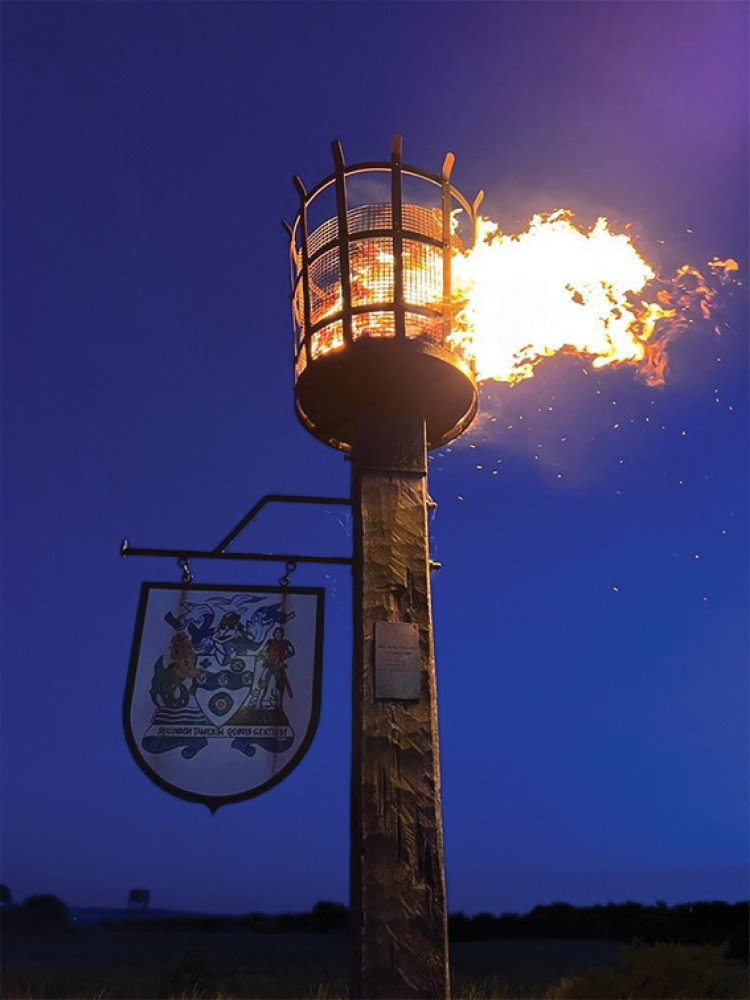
x=37, y=912
x=323, y=918
x=687, y=923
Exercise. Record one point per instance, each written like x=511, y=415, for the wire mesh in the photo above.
x=325, y=286
x=423, y=274
x=327, y=339
x=427, y=221
x=371, y=278
x=366, y=217
x=300, y=364
x=298, y=315
x=374, y=323
x=374, y=300
x=370, y=259
x=327, y=233
x=423, y=327
x=371, y=271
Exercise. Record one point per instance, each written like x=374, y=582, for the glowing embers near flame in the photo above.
x=372, y=287
x=558, y=288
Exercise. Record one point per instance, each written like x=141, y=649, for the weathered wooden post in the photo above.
x=376, y=376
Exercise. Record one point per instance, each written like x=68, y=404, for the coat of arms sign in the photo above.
x=223, y=691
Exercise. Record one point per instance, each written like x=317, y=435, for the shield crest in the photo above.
x=223, y=692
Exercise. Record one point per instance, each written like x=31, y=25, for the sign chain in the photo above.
x=184, y=564
x=289, y=568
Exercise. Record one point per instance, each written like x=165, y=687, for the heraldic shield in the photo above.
x=223, y=692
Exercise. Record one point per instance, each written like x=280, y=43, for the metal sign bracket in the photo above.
x=220, y=551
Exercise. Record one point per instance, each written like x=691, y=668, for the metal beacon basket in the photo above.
x=371, y=298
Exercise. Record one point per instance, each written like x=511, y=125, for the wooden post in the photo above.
x=398, y=904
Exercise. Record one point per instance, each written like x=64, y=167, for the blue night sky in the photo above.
x=591, y=615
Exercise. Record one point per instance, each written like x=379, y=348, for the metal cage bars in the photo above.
x=340, y=240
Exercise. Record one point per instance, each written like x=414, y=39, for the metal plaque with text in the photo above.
x=397, y=661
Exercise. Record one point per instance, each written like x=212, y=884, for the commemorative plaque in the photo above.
x=397, y=661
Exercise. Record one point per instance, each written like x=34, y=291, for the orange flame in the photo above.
x=558, y=288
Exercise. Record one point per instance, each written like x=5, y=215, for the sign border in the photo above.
x=214, y=802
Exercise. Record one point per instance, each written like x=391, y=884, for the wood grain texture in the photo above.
x=397, y=876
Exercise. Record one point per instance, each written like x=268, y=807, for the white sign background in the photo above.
x=182, y=745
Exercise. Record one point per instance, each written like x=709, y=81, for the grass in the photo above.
x=91, y=963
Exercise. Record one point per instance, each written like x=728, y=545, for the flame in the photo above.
x=725, y=266
x=558, y=288
x=371, y=279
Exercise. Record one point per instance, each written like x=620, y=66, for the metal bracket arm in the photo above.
x=277, y=498
x=220, y=551
x=129, y=550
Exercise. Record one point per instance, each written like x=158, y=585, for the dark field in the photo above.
x=96, y=963
x=93, y=962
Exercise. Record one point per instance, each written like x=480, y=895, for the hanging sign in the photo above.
x=223, y=692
